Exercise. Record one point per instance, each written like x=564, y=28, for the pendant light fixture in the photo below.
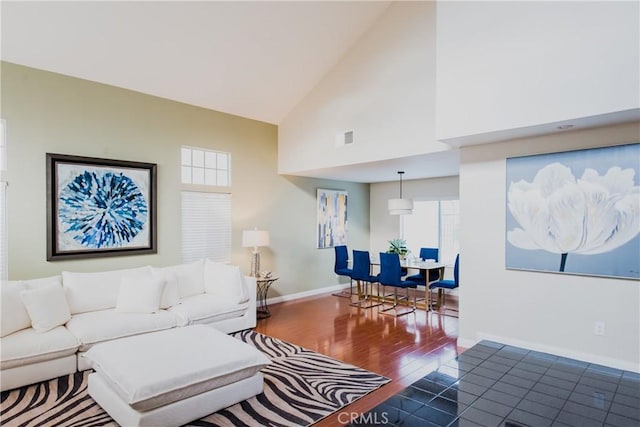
x=400, y=206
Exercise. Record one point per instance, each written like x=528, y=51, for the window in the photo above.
x=4, y=259
x=434, y=224
x=449, y=230
x=205, y=210
x=206, y=226
x=4, y=238
x=205, y=167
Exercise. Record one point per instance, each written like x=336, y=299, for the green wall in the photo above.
x=48, y=112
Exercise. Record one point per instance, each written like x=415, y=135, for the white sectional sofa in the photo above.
x=47, y=324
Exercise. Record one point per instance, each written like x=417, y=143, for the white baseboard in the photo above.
x=305, y=294
x=585, y=357
x=466, y=343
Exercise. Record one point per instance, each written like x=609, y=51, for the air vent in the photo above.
x=348, y=137
x=344, y=138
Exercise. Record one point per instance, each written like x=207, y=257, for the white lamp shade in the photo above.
x=255, y=238
x=400, y=206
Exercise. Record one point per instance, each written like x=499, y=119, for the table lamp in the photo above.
x=255, y=238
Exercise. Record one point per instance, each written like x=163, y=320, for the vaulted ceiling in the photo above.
x=255, y=59
x=252, y=59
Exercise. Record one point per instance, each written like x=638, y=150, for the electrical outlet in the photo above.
x=598, y=327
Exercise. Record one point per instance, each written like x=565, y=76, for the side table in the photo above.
x=264, y=283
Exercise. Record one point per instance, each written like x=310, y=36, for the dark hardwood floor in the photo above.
x=404, y=349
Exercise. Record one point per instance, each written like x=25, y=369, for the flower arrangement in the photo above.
x=398, y=246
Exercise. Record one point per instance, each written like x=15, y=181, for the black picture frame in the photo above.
x=100, y=207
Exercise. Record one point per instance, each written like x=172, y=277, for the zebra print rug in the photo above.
x=301, y=387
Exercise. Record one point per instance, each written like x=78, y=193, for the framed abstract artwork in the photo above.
x=332, y=218
x=575, y=212
x=100, y=207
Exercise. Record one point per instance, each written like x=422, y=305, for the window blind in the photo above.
x=4, y=250
x=206, y=226
x=449, y=230
x=435, y=224
x=4, y=232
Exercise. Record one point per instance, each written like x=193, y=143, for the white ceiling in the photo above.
x=251, y=59
x=254, y=59
x=433, y=165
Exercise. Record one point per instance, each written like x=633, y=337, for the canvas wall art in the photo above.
x=575, y=212
x=99, y=207
x=332, y=218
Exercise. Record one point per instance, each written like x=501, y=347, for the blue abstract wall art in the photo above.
x=100, y=207
x=575, y=212
x=102, y=210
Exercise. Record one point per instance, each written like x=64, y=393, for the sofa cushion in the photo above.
x=225, y=281
x=105, y=325
x=206, y=308
x=170, y=292
x=27, y=346
x=47, y=307
x=139, y=295
x=43, y=281
x=96, y=291
x=190, y=277
x=14, y=314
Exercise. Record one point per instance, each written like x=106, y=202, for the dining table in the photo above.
x=423, y=266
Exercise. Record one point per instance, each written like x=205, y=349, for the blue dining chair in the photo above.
x=446, y=284
x=391, y=275
x=341, y=268
x=421, y=278
x=362, y=275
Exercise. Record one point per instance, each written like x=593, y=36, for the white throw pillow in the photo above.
x=190, y=278
x=47, y=307
x=225, y=281
x=44, y=281
x=170, y=292
x=14, y=314
x=96, y=291
x=139, y=294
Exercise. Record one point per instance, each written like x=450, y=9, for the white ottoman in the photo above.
x=173, y=376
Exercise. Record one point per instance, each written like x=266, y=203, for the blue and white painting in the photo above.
x=331, y=229
x=575, y=212
x=102, y=207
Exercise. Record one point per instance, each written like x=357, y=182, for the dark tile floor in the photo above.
x=493, y=384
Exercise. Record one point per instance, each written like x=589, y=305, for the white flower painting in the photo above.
x=575, y=212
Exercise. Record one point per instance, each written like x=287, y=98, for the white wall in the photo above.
x=385, y=227
x=543, y=311
x=506, y=65
x=383, y=90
